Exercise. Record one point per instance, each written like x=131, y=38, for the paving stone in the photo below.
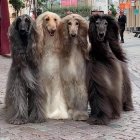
x=126, y=128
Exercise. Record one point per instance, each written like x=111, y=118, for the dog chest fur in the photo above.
x=56, y=107
x=74, y=65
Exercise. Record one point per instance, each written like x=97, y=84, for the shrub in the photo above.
x=81, y=10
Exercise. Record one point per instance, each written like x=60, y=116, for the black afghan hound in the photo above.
x=108, y=83
x=25, y=99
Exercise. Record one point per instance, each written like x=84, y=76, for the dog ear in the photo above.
x=113, y=38
x=29, y=20
x=92, y=30
x=13, y=30
x=64, y=34
x=40, y=33
x=83, y=35
x=18, y=20
x=112, y=28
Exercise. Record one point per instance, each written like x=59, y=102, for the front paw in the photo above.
x=97, y=121
x=18, y=121
x=128, y=107
x=37, y=117
x=80, y=115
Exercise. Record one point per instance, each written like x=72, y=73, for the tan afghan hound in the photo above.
x=49, y=44
x=74, y=48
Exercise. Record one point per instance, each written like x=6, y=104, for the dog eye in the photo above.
x=18, y=20
x=77, y=23
x=47, y=19
x=27, y=20
x=69, y=23
x=55, y=19
x=106, y=23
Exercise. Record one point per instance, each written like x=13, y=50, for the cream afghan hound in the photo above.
x=74, y=48
x=48, y=43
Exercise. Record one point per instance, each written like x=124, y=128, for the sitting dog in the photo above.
x=24, y=98
x=48, y=43
x=104, y=73
x=74, y=50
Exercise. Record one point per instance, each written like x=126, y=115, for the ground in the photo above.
x=126, y=128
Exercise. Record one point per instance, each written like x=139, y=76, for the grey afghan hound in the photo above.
x=108, y=83
x=24, y=96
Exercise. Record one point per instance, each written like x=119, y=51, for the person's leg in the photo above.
x=121, y=34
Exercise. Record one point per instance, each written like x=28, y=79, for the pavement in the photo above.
x=125, y=128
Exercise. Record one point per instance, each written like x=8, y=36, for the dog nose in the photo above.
x=73, y=35
x=53, y=30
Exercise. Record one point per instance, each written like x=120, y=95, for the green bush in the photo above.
x=81, y=10
x=17, y=5
x=113, y=10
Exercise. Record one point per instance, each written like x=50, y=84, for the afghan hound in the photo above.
x=24, y=98
x=106, y=76
x=48, y=43
x=74, y=50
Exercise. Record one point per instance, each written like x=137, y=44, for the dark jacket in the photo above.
x=122, y=21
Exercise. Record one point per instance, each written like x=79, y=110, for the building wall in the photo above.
x=11, y=11
x=101, y=5
x=84, y=2
x=133, y=20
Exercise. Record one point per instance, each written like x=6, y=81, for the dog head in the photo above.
x=102, y=27
x=23, y=24
x=73, y=26
x=98, y=28
x=50, y=22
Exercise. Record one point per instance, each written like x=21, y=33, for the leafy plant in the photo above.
x=17, y=5
x=82, y=10
x=113, y=10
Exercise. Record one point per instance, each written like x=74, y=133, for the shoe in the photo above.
x=7, y=55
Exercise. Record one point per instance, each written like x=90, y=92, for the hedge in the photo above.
x=81, y=10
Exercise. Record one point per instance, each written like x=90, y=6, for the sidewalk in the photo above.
x=126, y=128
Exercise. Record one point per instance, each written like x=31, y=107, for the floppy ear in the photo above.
x=112, y=29
x=14, y=35
x=18, y=20
x=64, y=35
x=113, y=38
x=30, y=21
x=92, y=30
x=33, y=51
x=83, y=35
x=40, y=34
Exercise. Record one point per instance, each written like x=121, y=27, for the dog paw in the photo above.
x=80, y=115
x=95, y=121
x=37, y=117
x=18, y=121
x=128, y=108
x=114, y=117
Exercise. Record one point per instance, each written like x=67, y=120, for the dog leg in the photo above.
x=16, y=100
x=101, y=110
x=76, y=99
x=56, y=105
x=127, y=94
x=37, y=102
x=127, y=89
x=81, y=103
x=128, y=104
